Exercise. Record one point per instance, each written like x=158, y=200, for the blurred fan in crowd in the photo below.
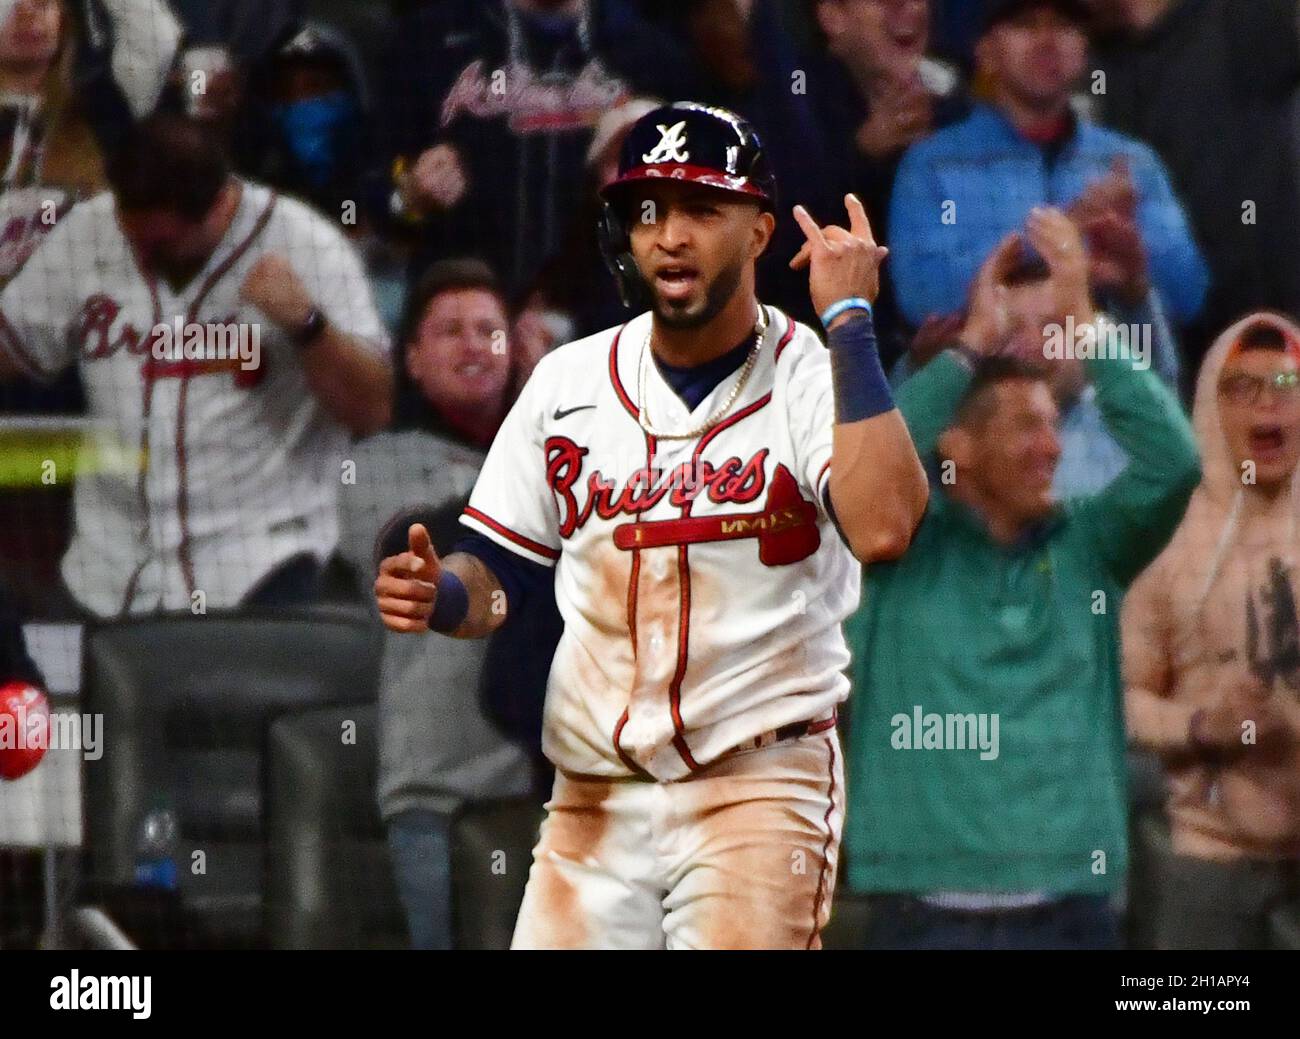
x=491, y=106
x=1212, y=651
x=439, y=747
x=307, y=130
x=961, y=190
x=229, y=343
x=1211, y=86
x=877, y=92
x=995, y=640
x=1016, y=300
x=49, y=154
x=319, y=103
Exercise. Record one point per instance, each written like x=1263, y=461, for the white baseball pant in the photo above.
x=742, y=855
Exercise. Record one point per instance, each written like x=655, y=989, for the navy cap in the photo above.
x=699, y=144
x=998, y=11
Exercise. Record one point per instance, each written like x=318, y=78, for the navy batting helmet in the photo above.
x=684, y=141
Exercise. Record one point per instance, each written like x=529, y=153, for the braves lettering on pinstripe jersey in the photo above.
x=95, y=335
x=732, y=481
x=229, y=471
x=701, y=581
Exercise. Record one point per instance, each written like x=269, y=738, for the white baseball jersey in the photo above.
x=229, y=469
x=701, y=582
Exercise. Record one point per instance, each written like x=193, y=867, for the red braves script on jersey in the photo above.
x=701, y=581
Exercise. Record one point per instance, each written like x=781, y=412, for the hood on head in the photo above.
x=1220, y=479
x=316, y=38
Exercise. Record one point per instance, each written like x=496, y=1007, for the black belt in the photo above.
x=793, y=731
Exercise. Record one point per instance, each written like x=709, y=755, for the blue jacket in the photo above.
x=993, y=177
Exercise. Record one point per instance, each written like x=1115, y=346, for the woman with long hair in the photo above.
x=49, y=157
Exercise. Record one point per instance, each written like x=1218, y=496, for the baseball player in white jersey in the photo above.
x=228, y=341
x=702, y=479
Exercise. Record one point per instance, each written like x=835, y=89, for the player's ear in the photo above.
x=764, y=227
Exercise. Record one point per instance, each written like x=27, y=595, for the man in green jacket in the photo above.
x=986, y=751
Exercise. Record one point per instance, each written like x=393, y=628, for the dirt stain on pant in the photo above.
x=571, y=836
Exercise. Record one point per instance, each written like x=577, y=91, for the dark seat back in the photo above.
x=330, y=883
x=330, y=880
x=187, y=704
x=491, y=853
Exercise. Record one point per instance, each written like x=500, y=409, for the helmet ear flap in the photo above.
x=616, y=248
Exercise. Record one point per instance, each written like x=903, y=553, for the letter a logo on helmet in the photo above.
x=671, y=146
x=725, y=154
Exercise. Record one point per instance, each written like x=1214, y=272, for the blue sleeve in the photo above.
x=923, y=279
x=520, y=578
x=1178, y=269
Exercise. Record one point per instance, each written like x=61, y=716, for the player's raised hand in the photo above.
x=841, y=263
x=274, y=288
x=407, y=586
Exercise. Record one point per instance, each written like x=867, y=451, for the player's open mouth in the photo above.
x=1266, y=441
x=676, y=282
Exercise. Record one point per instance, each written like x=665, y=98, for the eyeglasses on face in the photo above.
x=1240, y=388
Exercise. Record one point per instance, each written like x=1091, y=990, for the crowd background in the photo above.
x=458, y=146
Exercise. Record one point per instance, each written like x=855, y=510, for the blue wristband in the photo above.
x=451, y=606
x=836, y=309
x=861, y=389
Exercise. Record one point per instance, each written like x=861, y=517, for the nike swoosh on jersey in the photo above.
x=559, y=414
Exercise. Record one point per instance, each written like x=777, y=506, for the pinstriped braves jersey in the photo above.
x=209, y=473
x=702, y=582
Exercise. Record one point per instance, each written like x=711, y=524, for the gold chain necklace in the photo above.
x=643, y=414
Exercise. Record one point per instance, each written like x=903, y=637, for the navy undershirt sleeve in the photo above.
x=521, y=579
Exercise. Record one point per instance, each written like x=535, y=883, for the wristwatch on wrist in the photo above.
x=310, y=330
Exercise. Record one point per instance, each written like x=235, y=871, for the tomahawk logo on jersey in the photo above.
x=701, y=581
